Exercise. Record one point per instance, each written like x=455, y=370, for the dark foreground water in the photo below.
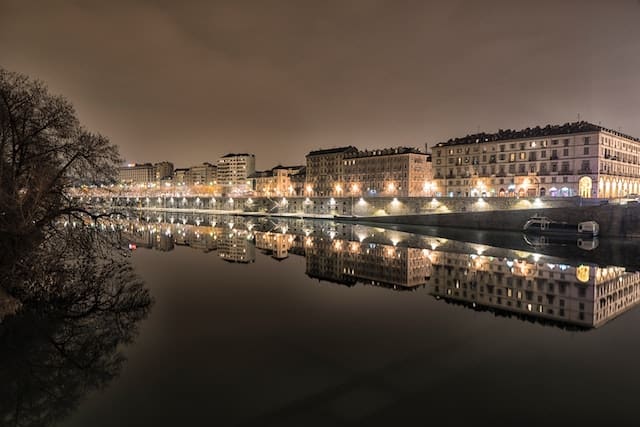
x=260, y=322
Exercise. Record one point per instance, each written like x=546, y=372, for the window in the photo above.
x=586, y=150
x=502, y=147
x=543, y=154
x=554, y=167
x=565, y=152
x=565, y=142
x=585, y=165
x=512, y=157
x=522, y=156
x=587, y=140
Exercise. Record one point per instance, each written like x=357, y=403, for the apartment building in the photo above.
x=132, y=174
x=402, y=171
x=276, y=182
x=574, y=159
x=203, y=174
x=234, y=170
x=346, y=171
x=325, y=168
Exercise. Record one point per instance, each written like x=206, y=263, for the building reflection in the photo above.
x=351, y=262
x=583, y=296
x=507, y=282
x=277, y=245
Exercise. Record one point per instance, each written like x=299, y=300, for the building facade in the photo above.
x=574, y=159
x=163, y=171
x=402, y=171
x=325, y=168
x=180, y=176
x=137, y=174
x=275, y=182
x=204, y=174
x=346, y=171
x=234, y=171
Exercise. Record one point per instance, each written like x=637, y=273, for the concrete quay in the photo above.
x=495, y=213
x=614, y=220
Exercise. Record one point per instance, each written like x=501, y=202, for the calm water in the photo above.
x=267, y=322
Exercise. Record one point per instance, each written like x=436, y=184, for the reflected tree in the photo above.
x=81, y=301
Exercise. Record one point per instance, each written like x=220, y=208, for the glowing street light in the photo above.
x=391, y=187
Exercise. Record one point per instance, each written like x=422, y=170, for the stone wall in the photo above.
x=375, y=206
x=614, y=220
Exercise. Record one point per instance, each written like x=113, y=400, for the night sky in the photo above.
x=188, y=83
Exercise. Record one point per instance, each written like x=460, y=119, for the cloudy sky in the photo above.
x=191, y=81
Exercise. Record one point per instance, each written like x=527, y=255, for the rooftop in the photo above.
x=238, y=155
x=384, y=152
x=348, y=149
x=535, y=132
x=297, y=167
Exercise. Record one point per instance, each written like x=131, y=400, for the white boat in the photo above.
x=543, y=225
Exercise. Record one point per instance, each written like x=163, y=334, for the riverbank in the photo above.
x=614, y=220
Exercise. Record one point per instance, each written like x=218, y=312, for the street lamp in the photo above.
x=354, y=189
x=391, y=187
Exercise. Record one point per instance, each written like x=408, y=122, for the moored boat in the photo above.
x=543, y=225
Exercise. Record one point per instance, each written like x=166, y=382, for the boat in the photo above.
x=543, y=225
x=542, y=241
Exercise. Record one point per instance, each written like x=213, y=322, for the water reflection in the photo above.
x=574, y=294
x=69, y=306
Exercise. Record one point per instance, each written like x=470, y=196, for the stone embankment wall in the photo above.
x=614, y=220
x=373, y=206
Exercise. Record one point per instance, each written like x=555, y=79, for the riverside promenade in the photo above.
x=617, y=218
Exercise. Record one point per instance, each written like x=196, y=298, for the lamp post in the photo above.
x=354, y=189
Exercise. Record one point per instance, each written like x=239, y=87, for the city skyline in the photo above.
x=186, y=84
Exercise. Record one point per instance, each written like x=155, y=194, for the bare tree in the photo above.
x=43, y=151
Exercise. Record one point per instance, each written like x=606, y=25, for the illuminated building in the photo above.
x=402, y=171
x=137, y=174
x=574, y=159
x=325, y=168
x=234, y=171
